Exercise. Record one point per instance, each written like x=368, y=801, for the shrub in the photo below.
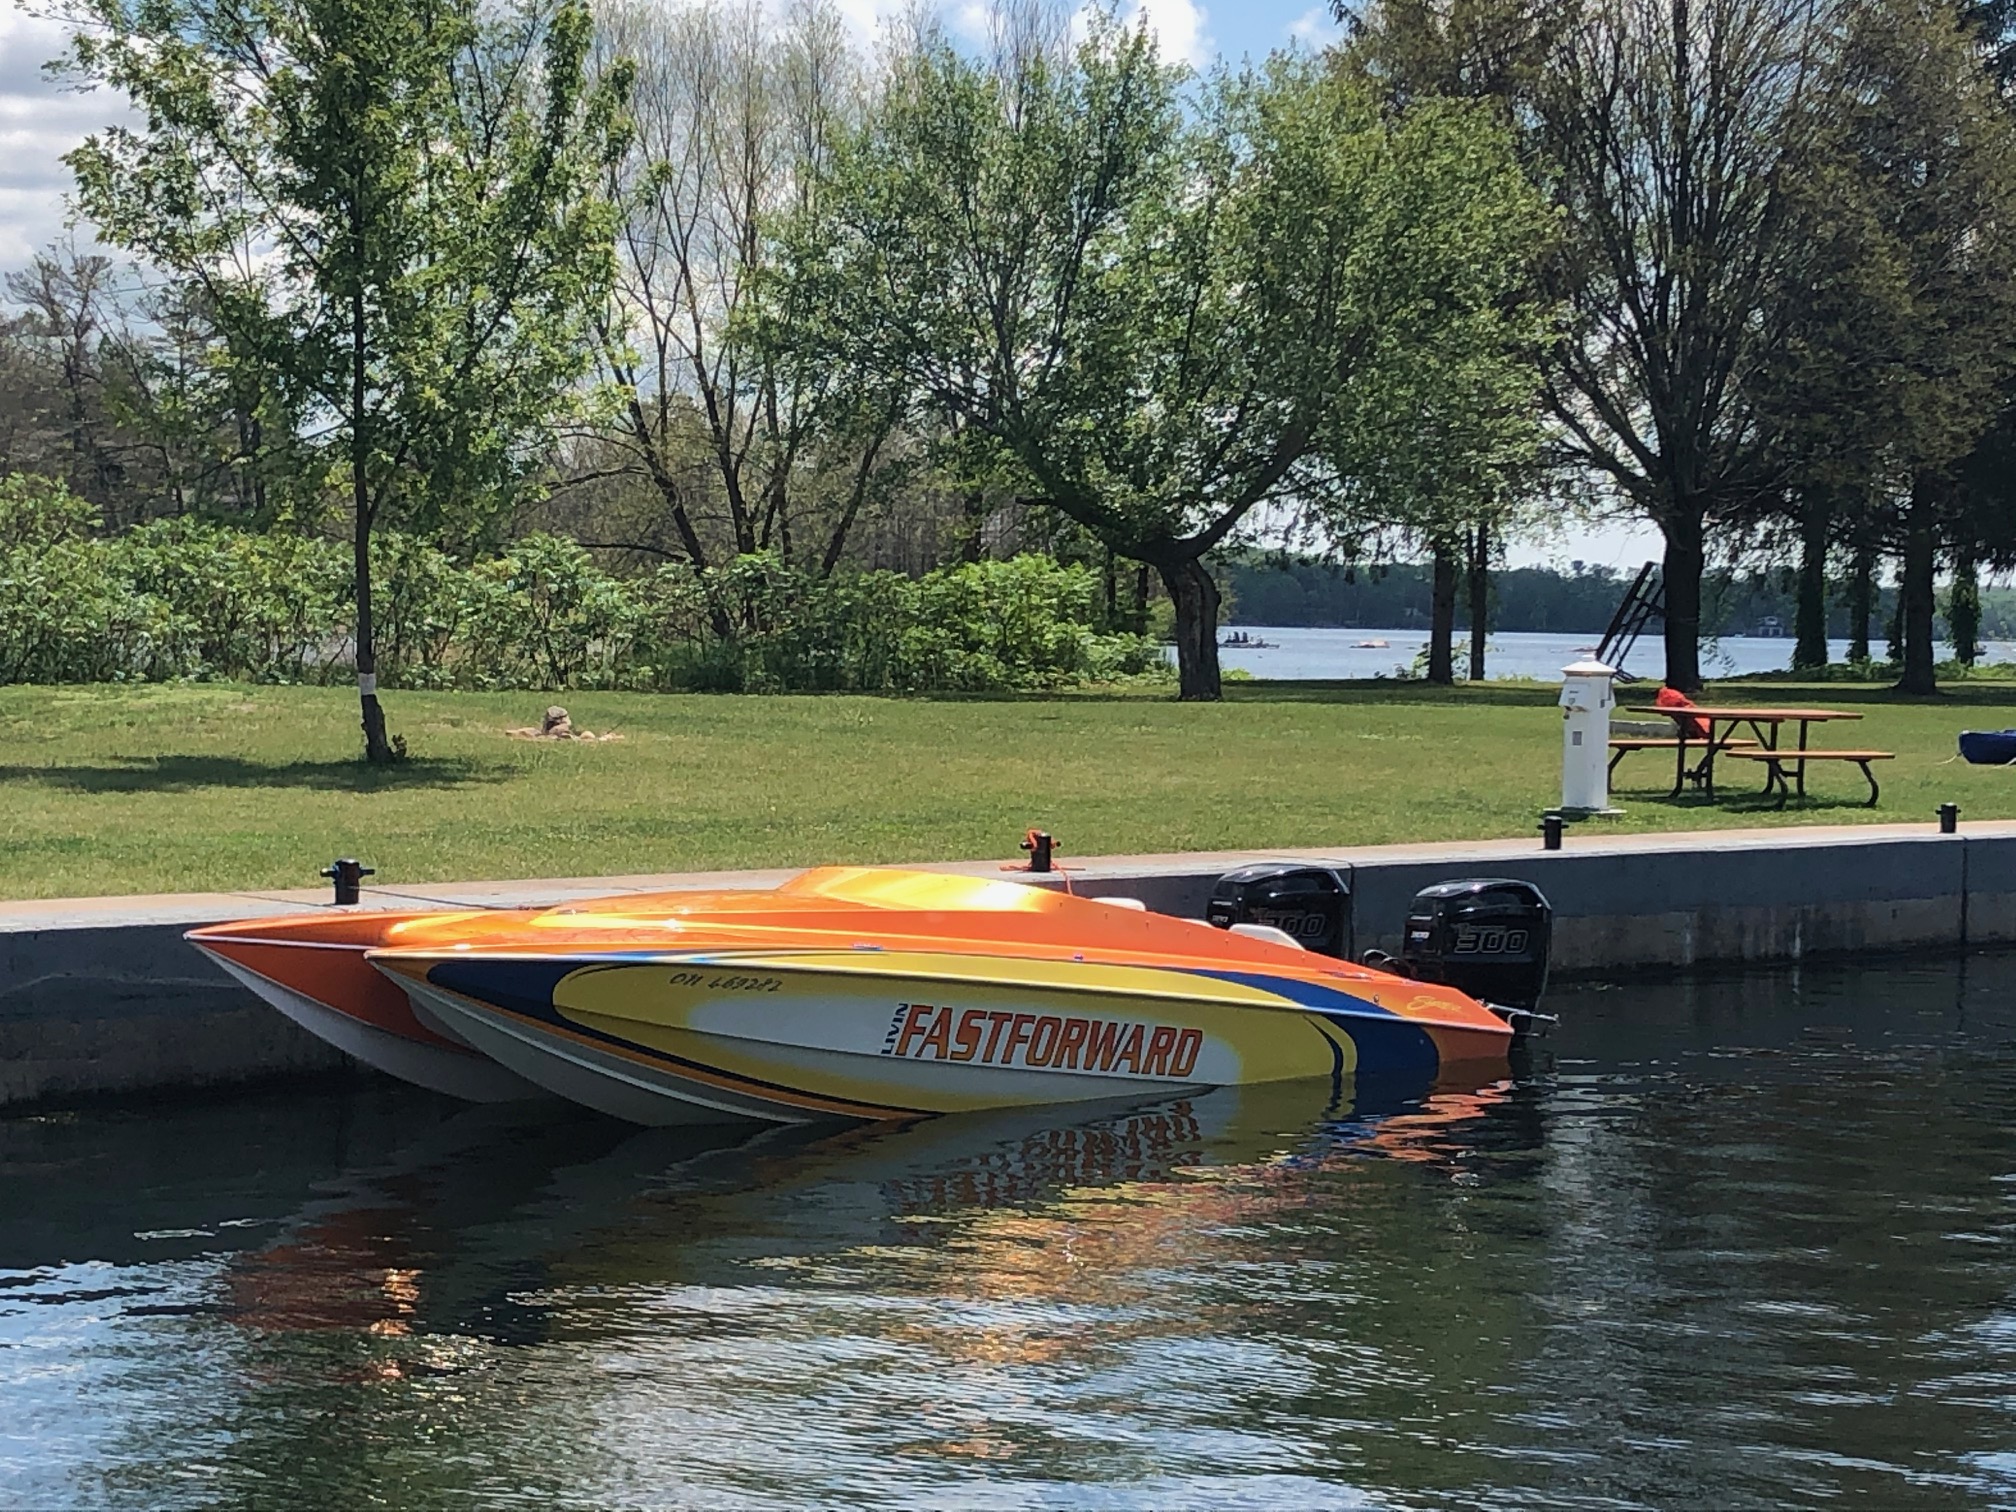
x=189, y=599
x=260, y=607
x=40, y=512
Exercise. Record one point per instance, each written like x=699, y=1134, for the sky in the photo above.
x=40, y=121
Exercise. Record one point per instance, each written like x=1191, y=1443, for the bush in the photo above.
x=185, y=599
x=64, y=616
x=421, y=602
x=262, y=608
x=36, y=513
x=544, y=616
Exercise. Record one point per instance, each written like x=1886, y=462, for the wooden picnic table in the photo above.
x=1723, y=723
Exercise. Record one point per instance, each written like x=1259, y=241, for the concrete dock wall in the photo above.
x=103, y=997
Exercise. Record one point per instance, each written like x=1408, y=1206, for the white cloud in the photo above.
x=971, y=19
x=26, y=43
x=1179, y=28
x=40, y=120
x=1178, y=25
x=864, y=18
x=1316, y=27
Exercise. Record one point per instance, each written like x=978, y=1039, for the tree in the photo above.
x=1896, y=337
x=389, y=209
x=71, y=301
x=747, y=449
x=1658, y=127
x=1444, y=456
x=1664, y=128
x=1481, y=550
x=1993, y=25
x=212, y=429
x=1448, y=474
x=1492, y=52
x=1161, y=318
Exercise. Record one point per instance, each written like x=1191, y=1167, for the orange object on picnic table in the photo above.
x=1673, y=698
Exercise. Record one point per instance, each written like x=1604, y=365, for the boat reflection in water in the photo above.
x=501, y=1225
x=536, y=1306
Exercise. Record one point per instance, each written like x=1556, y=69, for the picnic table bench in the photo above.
x=1765, y=724
x=1777, y=761
x=1623, y=745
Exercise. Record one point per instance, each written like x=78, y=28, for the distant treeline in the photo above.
x=1275, y=590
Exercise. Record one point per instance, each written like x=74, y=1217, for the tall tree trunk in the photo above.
x=972, y=524
x=1480, y=596
x=648, y=438
x=1681, y=572
x=1809, y=649
x=1196, y=599
x=863, y=472
x=1861, y=602
x=377, y=748
x=1442, y=617
x=1915, y=594
x=1963, y=608
x=1138, y=611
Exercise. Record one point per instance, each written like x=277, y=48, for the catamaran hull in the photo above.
x=729, y=1080
x=797, y=1038
x=453, y=1069
x=610, y=1081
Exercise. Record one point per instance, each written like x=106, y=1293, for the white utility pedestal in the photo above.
x=1587, y=696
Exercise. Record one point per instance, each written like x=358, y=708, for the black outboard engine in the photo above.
x=1487, y=936
x=1311, y=903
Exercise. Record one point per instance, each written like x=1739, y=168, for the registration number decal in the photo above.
x=716, y=982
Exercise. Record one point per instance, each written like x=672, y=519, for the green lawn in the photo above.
x=155, y=789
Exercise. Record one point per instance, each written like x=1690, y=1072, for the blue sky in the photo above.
x=1254, y=27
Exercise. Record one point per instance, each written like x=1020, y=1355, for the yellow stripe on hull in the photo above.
x=969, y=1045
x=1011, y=971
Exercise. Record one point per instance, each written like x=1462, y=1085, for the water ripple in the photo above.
x=1736, y=1243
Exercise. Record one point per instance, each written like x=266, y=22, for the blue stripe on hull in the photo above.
x=1386, y=1042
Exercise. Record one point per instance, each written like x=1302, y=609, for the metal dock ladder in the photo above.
x=1644, y=601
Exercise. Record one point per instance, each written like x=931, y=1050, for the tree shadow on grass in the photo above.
x=182, y=774
x=1750, y=803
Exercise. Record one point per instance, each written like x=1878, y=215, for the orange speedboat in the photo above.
x=847, y=993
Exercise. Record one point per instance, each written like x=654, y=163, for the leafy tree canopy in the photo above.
x=1165, y=311
x=389, y=208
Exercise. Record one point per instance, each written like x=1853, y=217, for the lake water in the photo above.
x=1736, y=1243
x=1303, y=652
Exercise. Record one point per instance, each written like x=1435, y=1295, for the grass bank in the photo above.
x=187, y=788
